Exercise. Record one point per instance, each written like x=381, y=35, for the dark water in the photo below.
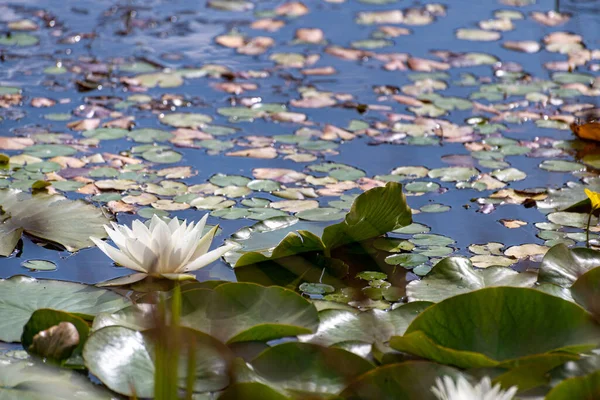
x=160, y=30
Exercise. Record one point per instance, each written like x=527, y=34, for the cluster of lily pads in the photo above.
x=307, y=320
x=376, y=306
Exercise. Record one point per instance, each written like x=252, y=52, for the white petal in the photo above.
x=204, y=243
x=208, y=258
x=142, y=254
x=141, y=231
x=117, y=256
x=174, y=224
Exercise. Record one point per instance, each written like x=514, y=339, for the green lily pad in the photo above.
x=307, y=368
x=497, y=326
x=229, y=180
x=453, y=174
x=427, y=239
x=49, y=150
x=509, y=175
x=264, y=236
x=48, y=217
x=105, y=133
x=39, y=265
x=148, y=135
x=339, y=326
x=585, y=291
x=410, y=380
x=408, y=260
x=563, y=266
x=455, y=275
x=238, y=312
x=434, y=208
x=321, y=214
x=412, y=229
x=373, y=213
x=16, y=309
x=584, y=387
x=18, y=39
x=561, y=166
x=186, y=120
x=26, y=378
x=123, y=359
x=423, y=187
x=264, y=185
x=162, y=156
x=251, y=391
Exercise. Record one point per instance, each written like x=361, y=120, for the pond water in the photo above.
x=104, y=60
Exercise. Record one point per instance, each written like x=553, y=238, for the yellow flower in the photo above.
x=594, y=198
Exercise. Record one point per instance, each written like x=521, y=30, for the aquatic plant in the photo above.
x=164, y=249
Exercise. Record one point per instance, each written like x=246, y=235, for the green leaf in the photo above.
x=584, y=387
x=293, y=243
x=162, y=156
x=563, y=266
x=45, y=318
x=123, y=359
x=304, y=370
x=251, y=391
x=406, y=381
x=339, y=326
x=238, y=312
x=39, y=265
x=493, y=325
x=373, y=213
x=532, y=371
x=49, y=150
x=18, y=39
x=16, y=308
x=455, y=275
x=586, y=291
x=186, y=120
x=23, y=378
x=265, y=235
x=49, y=217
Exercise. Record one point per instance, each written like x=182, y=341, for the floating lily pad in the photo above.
x=123, y=359
x=39, y=265
x=49, y=150
x=16, y=309
x=48, y=217
x=321, y=214
x=455, y=275
x=451, y=331
x=162, y=156
x=27, y=378
x=186, y=120
x=18, y=39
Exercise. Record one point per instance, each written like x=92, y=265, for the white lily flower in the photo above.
x=168, y=250
x=446, y=389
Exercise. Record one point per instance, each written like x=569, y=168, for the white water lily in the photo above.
x=447, y=389
x=164, y=249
